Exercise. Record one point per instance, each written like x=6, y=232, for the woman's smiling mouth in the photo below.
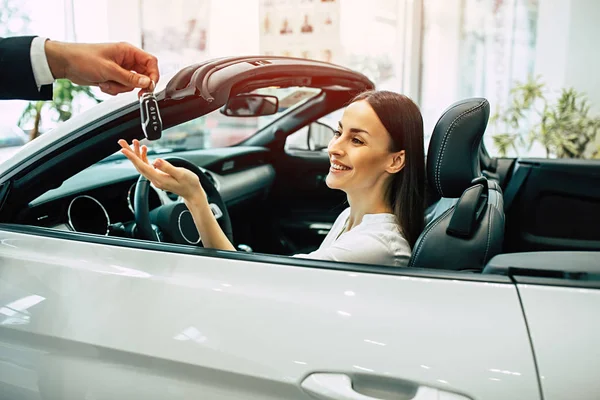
x=338, y=167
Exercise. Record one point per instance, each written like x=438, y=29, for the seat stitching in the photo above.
x=433, y=225
x=445, y=142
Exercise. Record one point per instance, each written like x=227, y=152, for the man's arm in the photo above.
x=17, y=79
x=29, y=64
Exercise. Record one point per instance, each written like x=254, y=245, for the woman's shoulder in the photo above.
x=382, y=244
x=386, y=228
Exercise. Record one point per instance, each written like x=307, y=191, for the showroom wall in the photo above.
x=474, y=48
x=567, y=49
x=459, y=48
x=436, y=51
x=483, y=47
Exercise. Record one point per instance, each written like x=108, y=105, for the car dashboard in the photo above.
x=100, y=199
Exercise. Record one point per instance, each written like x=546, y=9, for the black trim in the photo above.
x=520, y=174
x=4, y=191
x=252, y=257
x=552, y=268
x=556, y=282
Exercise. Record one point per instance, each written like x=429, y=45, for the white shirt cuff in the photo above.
x=39, y=63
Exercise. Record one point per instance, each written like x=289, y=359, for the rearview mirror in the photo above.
x=251, y=105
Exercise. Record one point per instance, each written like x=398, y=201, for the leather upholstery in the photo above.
x=477, y=232
x=453, y=155
x=437, y=249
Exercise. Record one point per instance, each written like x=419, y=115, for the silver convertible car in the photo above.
x=107, y=293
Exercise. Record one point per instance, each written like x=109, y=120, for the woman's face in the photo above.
x=359, y=152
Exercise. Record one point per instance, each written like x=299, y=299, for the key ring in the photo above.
x=149, y=90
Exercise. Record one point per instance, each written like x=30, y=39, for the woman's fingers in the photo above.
x=162, y=174
x=145, y=154
x=123, y=143
x=136, y=148
x=139, y=151
x=158, y=178
x=167, y=168
x=142, y=167
x=137, y=162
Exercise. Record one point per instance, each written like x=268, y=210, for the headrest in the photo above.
x=453, y=155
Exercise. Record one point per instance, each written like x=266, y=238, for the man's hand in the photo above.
x=114, y=67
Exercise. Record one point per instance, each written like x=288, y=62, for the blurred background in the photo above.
x=534, y=60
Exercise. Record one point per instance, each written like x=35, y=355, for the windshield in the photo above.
x=218, y=130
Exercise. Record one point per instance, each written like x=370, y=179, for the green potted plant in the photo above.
x=61, y=105
x=563, y=127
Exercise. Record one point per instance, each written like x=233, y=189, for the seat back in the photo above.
x=465, y=228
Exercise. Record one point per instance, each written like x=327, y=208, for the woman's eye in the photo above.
x=337, y=133
x=357, y=141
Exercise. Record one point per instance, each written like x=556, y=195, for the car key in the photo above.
x=150, y=115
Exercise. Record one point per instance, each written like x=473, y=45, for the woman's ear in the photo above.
x=397, y=163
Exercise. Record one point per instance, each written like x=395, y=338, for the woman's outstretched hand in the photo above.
x=162, y=174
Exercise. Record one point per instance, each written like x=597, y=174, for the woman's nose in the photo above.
x=335, y=147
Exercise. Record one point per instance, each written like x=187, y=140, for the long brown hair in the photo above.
x=402, y=118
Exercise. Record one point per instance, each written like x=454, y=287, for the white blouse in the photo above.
x=378, y=240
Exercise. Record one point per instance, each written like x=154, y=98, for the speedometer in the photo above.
x=86, y=214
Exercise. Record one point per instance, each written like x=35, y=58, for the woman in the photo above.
x=377, y=158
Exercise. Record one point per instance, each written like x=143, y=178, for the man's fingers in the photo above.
x=144, y=63
x=113, y=88
x=132, y=58
x=128, y=79
x=151, y=68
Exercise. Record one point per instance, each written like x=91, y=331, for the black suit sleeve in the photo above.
x=16, y=74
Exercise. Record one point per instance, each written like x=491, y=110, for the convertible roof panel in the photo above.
x=208, y=78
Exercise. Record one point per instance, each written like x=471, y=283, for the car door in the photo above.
x=562, y=319
x=560, y=295
x=87, y=316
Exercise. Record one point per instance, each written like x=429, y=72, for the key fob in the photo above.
x=151, y=121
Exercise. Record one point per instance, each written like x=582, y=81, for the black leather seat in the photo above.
x=465, y=228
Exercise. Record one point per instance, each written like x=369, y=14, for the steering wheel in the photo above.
x=173, y=222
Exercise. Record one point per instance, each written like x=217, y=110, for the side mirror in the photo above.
x=251, y=105
x=319, y=136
